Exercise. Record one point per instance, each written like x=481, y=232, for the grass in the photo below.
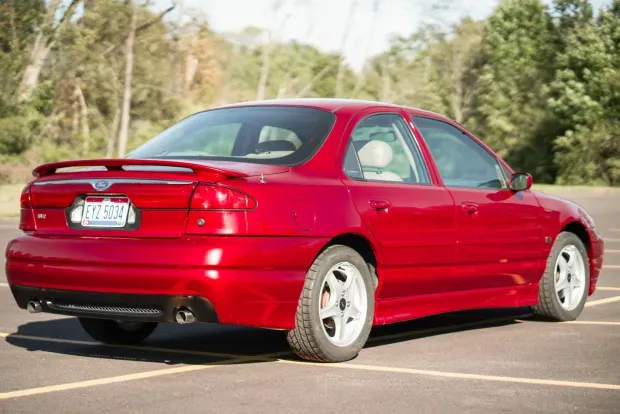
x=9, y=195
x=565, y=189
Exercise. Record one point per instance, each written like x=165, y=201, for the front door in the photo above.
x=499, y=230
x=412, y=219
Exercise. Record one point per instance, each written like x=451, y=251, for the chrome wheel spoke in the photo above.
x=339, y=328
x=561, y=282
x=561, y=285
x=335, y=286
x=571, y=259
x=568, y=297
x=352, y=312
x=349, y=279
x=331, y=310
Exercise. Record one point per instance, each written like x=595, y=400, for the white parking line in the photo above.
x=103, y=381
x=611, y=240
x=271, y=357
x=607, y=323
x=612, y=251
x=603, y=301
x=460, y=375
x=4, y=284
x=611, y=266
x=608, y=288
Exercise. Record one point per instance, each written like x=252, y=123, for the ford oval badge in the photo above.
x=101, y=185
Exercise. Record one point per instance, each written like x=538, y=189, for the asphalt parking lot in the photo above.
x=477, y=361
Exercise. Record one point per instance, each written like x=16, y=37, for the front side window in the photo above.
x=282, y=135
x=460, y=160
x=381, y=148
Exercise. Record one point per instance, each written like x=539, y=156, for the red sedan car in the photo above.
x=319, y=217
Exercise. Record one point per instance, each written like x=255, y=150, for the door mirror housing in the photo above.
x=521, y=181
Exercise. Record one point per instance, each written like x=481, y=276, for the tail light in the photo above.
x=26, y=221
x=216, y=209
x=213, y=197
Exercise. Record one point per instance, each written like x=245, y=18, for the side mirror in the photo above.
x=521, y=181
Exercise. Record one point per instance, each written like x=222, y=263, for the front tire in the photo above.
x=336, y=308
x=564, y=286
x=117, y=332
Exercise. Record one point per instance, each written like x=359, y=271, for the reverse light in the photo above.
x=76, y=214
x=213, y=197
x=131, y=216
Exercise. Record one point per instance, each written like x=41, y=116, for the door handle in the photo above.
x=380, y=204
x=470, y=208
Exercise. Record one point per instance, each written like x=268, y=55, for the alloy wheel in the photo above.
x=343, y=304
x=570, y=277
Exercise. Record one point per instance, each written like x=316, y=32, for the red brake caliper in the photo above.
x=324, y=299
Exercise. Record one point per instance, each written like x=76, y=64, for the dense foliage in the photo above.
x=84, y=78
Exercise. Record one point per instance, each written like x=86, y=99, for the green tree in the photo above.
x=511, y=114
x=585, y=93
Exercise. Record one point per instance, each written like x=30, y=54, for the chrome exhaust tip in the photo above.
x=34, y=306
x=184, y=315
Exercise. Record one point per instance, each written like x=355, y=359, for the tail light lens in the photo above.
x=213, y=197
x=25, y=201
x=26, y=219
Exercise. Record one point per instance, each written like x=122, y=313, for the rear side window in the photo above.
x=279, y=135
x=381, y=148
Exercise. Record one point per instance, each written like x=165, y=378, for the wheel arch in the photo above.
x=363, y=246
x=579, y=230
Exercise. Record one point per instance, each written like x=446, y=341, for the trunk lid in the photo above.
x=155, y=193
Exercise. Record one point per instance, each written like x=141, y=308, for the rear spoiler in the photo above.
x=117, y=164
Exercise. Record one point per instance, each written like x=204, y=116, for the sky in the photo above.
x=322, y=23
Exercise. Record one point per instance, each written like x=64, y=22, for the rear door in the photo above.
x=411, y=218
x=499, y=231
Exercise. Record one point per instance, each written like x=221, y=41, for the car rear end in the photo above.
x=152, y=239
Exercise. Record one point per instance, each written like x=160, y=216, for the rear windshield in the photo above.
x=280, y=135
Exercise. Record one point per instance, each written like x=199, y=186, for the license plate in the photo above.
x=105, y=211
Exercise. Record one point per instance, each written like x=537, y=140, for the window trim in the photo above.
x=476, y=141
x=409, y=143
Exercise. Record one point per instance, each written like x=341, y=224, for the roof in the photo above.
x=329, y=104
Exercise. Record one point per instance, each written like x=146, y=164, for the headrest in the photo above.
x=280, y=145
x=375, y=154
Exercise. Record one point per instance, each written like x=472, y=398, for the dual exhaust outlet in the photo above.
x=181, y=316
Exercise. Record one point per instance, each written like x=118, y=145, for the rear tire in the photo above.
x=564, y=286
x=336, y=308
x=112, y=332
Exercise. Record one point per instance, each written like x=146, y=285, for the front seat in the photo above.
x=374, y=156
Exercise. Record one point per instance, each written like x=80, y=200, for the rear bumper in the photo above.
x=143, y=308
x=252, y=281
